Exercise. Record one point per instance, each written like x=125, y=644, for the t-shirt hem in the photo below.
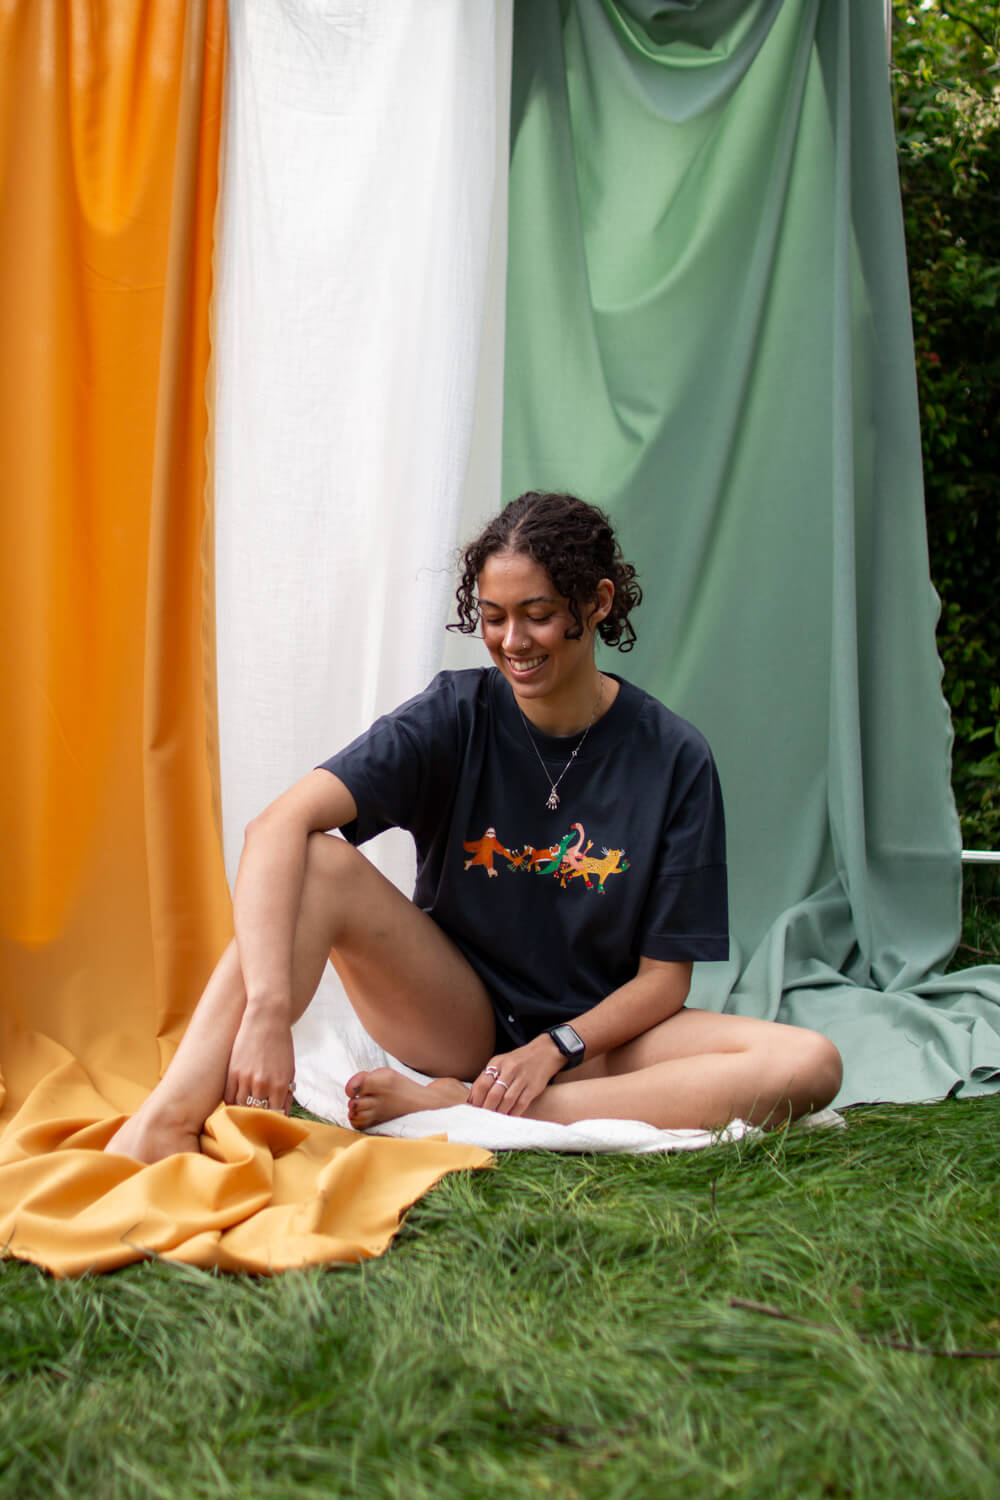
x=353, y=831
x=687, y=948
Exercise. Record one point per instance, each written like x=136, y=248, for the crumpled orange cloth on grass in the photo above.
x=267, y=1193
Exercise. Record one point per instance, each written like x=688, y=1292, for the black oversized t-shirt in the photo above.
x=553, y=908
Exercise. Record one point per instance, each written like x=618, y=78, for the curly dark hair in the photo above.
x=574, y=542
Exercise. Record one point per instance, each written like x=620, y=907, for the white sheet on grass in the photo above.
x=350, y=1049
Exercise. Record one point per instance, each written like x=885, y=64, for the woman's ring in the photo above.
x=500, y=1083
x=491, y=1072
x=254, y=1103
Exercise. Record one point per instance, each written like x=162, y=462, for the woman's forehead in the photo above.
x=513, y=577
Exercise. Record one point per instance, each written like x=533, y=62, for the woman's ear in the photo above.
x=603, y=600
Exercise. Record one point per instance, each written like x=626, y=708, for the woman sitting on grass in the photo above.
x=571, y=868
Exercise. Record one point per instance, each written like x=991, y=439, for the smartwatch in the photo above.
x=570, y=1045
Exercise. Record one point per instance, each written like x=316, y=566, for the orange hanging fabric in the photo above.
x=113, y=903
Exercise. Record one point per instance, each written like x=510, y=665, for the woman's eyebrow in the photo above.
x=537, y=599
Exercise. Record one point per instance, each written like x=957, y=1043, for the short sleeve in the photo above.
x=686, y=913
x=402, y=771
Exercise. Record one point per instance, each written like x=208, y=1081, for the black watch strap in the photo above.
x=570, y=1045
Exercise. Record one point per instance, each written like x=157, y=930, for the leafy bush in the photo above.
x=946, y=75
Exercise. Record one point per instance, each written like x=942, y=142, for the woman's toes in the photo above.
x=359, y=1114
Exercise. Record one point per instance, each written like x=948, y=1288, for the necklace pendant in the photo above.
x=553, y=801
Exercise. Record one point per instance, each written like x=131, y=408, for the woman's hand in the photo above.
x=512, y=1081
x=262, y=1062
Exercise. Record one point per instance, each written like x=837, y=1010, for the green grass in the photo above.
x=560, y=1327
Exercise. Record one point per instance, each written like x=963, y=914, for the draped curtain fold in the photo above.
x=113, y=900
x=708, y=331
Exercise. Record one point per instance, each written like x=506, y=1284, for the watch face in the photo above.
x=567, y=1040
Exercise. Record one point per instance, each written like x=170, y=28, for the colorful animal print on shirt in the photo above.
x=568, y=860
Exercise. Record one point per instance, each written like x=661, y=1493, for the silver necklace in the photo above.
x=553, y=798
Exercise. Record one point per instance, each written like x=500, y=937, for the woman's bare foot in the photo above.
x=383, y=1094
x=149, y=1141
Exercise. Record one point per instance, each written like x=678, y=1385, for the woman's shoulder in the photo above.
x=433, y=724
x=463, y=686
x=655, y=721
x=452, y=697
x=453, y=685
x=462, y=681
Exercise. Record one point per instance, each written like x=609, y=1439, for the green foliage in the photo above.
x=947, y=86
x=980, y=917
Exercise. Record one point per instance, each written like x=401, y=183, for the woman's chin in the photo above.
x=528, y=681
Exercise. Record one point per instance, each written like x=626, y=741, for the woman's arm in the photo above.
x=266, y=904
x=269, y=880
x=657, y=992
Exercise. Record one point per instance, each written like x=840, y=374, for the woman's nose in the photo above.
x=513, y=638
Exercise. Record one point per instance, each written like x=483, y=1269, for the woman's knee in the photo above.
x=820, y=1068
x=802, y=1068
x=358, y=904
x=335, y=871
x=328, y=855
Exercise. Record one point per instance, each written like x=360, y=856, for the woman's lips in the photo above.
x=524, y=666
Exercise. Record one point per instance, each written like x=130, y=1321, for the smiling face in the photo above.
x=524, y=621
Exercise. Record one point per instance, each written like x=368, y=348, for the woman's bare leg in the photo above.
x=413, y=990
x=168, y=1120
x=697, y=1070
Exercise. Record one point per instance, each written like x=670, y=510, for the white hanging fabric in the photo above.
x=359, y=368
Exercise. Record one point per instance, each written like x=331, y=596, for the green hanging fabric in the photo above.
x=709, y=334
